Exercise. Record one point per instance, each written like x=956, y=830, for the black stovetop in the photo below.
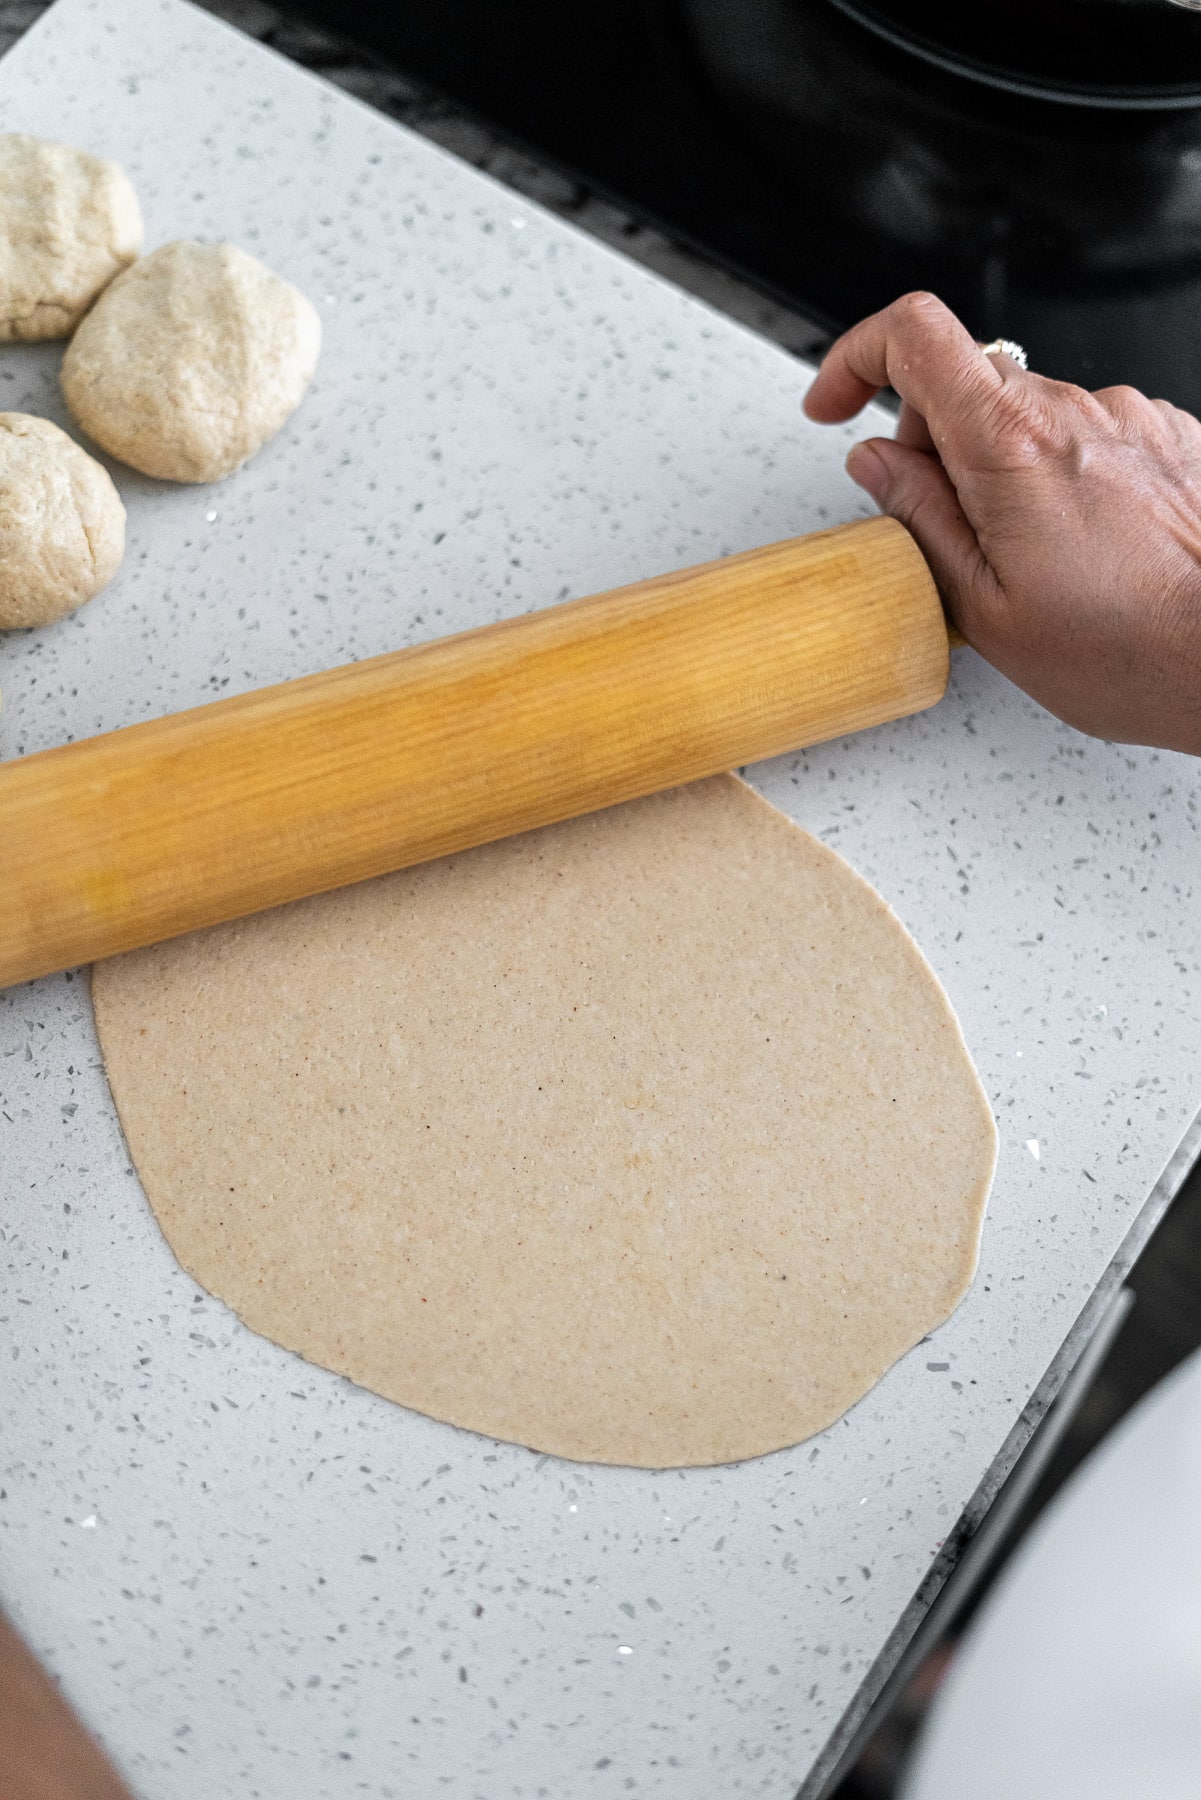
x=835, y=169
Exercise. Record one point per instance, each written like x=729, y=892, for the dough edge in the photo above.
x=726, y=1447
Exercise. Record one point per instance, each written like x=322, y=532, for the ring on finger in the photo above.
x=1006, y=347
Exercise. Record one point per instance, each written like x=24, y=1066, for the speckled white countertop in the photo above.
x=254, y=1579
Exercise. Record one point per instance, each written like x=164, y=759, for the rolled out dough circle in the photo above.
x=649, y=1138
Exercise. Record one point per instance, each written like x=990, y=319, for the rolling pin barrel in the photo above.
x=122, y=840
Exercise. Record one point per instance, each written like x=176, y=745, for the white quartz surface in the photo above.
x=254, y=1579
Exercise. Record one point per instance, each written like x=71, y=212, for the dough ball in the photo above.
x=69, y=222
x=62, y=524
x=191, y=360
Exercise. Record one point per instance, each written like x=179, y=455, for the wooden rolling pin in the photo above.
x=121, y=840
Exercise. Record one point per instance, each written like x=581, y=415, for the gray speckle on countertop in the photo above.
x=252, y=1578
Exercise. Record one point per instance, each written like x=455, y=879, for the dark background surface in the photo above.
x=799, y=148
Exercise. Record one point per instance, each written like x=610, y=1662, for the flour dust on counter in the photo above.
x=649, y=1138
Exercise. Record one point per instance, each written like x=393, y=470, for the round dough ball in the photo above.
x=191, y=360
x=62, y=524
x=69, y=222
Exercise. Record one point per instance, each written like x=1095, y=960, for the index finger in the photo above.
x=916, y=346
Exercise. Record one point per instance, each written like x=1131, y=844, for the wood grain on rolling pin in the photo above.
x=147, y=832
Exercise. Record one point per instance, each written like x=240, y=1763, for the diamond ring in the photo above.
x=1006, y=347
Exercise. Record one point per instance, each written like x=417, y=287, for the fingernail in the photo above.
x=867, y=469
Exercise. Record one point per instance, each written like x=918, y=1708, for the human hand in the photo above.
x=1063, y=528
x=45, y=1753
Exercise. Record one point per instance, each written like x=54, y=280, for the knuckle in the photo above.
x=909, y=508
x=1032, y=421
x=919, y=306
x=1064, y=407
x=1123, y=402
x=1069, y=393
x=1021, y=428
x=1184, y=426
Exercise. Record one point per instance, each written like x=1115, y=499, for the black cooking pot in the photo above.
x=1036, y=164
x=1126, y=54
x=960, y=176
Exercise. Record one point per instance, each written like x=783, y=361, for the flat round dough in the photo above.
x=649, y=1138
x=62, y=524
x=69, y=222
x=191, y=360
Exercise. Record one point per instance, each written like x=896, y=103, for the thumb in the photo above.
x=912, y=487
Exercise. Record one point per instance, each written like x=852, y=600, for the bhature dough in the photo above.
x=62, y=524
x=69, y=222
x=648, y=1138
x=190, y=361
